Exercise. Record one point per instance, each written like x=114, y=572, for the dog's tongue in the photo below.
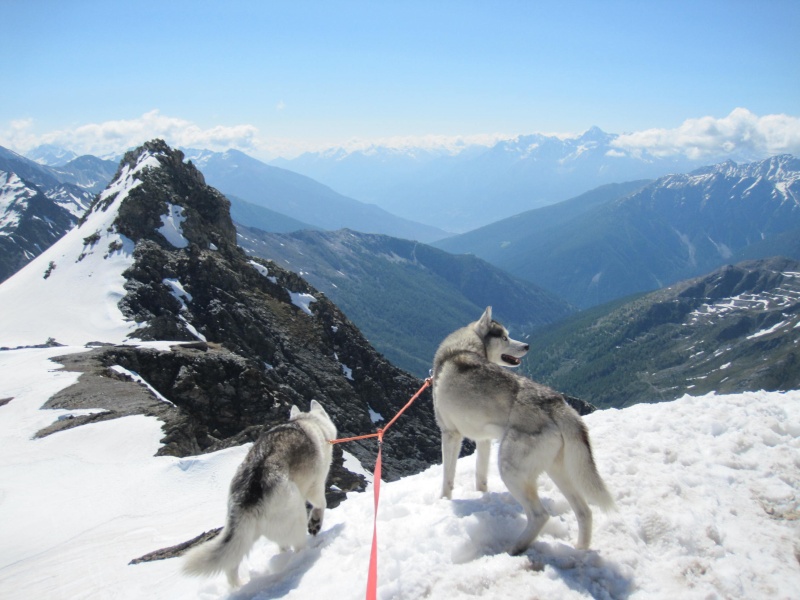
x=512, y=360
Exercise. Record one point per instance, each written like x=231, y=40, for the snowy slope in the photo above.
x=14, y=197
x=707, y=490
x=77, y=282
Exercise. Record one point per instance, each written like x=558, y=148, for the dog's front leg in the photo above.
x=483, y=450
x=451, y=446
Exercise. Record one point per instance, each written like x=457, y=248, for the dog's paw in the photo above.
x=315, y=520
x=314, y=525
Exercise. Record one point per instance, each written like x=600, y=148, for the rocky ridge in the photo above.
x=259, y=338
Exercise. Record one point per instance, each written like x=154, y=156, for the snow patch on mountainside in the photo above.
x=171, y=226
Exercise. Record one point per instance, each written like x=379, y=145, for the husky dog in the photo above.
x=286, y=467
x=475, y=397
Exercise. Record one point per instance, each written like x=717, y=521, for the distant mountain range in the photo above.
x=736, y=329
x=460, y=191
x=405, y=296
x=301, y=198
x=623, y=239
x=51, y=155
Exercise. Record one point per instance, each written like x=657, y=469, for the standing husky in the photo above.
x=286, y=467
x=475, y=397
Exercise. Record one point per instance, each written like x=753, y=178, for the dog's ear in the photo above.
x=294, y=412
x=484, y=324
x=317, y=407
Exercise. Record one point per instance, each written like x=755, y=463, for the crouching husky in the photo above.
x=286, y=467
x=474, y=397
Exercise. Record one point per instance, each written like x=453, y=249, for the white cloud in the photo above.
x=446, y=143
x=740, y=134
x=113, y=137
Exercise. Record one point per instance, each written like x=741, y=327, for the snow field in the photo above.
x=706, y=489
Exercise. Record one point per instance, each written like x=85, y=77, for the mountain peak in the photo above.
x=51, y=155
x=167, y=201
x=595, y=134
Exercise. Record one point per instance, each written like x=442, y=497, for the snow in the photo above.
x=171, y=224
x=374, y=415
x=347, y=371
x=133, y=375
x=73, y=203
x=769, y=331
x=70, y=292
x=706, y=487
x=14, y=196
x=264, y=271
x=302, y=301
x=178, y=292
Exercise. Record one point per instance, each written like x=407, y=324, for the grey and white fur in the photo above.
x=285, y=467
x=475, y=397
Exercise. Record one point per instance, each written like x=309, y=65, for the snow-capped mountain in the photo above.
x=156, y=258
x=87, y=172
x=677, y=227
x=460, y=191
x=83, y=173
x=51, y=155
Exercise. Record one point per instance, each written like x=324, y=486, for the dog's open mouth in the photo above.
x=511, y=360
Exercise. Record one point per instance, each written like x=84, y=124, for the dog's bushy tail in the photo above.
x=223, y=553
x=579, y=461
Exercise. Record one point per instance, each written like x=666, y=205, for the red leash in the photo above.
x=372, y=576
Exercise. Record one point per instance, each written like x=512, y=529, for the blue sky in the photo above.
x=279, y=77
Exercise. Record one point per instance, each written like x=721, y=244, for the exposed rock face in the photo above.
x=273, y=340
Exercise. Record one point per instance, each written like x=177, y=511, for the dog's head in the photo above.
x=317, y=414
x=500, y=348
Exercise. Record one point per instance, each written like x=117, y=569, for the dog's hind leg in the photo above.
x=285, y=519
x=522, y=459
x=318, y=505
x=579, y=506
x=527, y=494
x=483, y=450
x=451, y=447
